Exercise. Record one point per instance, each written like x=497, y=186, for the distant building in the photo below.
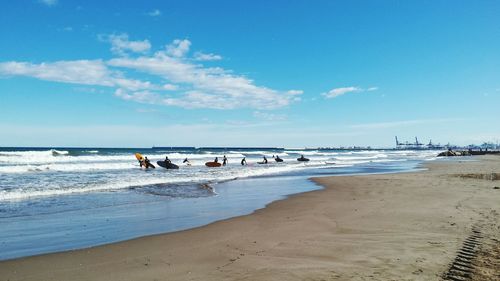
x=418, y=145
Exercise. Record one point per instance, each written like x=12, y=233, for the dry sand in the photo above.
x=407, y=226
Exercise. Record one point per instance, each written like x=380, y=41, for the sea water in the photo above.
x=67, y=198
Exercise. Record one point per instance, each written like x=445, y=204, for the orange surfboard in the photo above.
x=139, y=156
x=213, y=164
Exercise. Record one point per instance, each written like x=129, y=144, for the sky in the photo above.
x=248, y=73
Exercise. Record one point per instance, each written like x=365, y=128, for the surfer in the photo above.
x=243, y=161
x=265, y=160
x=278, y=159
x=224, y=161
x=167, y=160
x=216, y=160
x=186, y=161
x=302, y=159
x=146, y=162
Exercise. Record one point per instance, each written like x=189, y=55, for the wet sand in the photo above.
x=407, y=226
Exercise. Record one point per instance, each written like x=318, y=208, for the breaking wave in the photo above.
x=50, y=172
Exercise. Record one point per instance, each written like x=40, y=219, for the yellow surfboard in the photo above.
x=139, y=156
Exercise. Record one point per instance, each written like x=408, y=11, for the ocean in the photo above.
x=56, y=199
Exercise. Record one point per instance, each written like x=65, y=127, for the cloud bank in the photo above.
x=169, y=77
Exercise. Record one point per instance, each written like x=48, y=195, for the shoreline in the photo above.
x=264, y=192
x=111, y=223
x=340, y=232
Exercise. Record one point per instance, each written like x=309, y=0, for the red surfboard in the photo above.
x=213, y=164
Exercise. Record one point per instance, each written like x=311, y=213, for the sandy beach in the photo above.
x=405, y=226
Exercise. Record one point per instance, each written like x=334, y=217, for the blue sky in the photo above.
x=248, y=73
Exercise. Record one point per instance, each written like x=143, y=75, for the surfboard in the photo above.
x=303, y=159
x=213, y=164
x=278, y=160
x=139, y=156
x=167, y=165
x=262, y=162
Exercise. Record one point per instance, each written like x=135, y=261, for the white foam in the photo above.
x=54, y=156
x=194, y=175
x=53, y=160
x=59, y=173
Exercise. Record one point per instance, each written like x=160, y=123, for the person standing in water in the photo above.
x=216, y=160
x=146, y=162
x=265, y=160
x=243, y=161
x=224, y=161
x=167, y=160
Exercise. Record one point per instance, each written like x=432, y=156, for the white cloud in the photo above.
x=295, y=92
x=344, y=90
x=199, y=56
x=206, y=87
x=178, y=48
x=86, y=89
x=84, y=72
x=49, y=2
x=141, y=97
x=178, y=80
x=155, y=13
x=341, y=91
x=120, y=44
x=170, y=87
x=132, y=84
